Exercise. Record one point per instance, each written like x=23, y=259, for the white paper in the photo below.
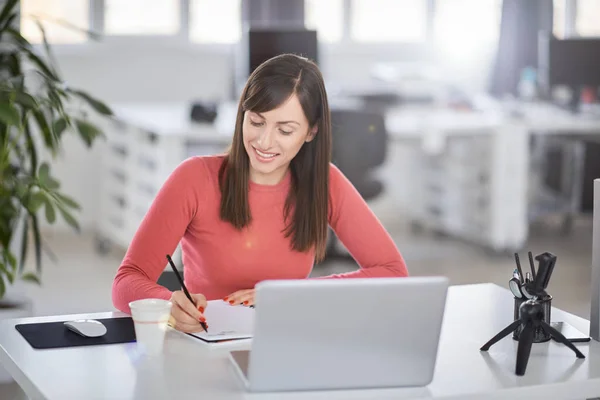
x=227, y=322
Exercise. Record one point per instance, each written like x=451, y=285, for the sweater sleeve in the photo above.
x=159, y=233
x=361, y=232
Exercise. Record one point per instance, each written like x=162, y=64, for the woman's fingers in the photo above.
x=185, y=327
x=245, y=297
x=185, y=316
x=200, y=302
x=180, y=299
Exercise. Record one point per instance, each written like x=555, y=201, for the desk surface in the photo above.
x=190, y=369
x=173, y=119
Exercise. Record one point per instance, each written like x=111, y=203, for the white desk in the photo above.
x=455, y=149
x=189, y=369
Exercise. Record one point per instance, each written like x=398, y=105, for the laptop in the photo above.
x=343, y=334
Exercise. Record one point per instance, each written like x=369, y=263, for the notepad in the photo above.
x=227, y=322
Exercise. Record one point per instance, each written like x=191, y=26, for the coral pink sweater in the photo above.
x=219, y=259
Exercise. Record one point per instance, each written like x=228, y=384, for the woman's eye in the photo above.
x=256, y=123
x=286, y=132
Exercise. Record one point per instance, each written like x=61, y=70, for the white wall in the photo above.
x=119, y=73
x=163, y=72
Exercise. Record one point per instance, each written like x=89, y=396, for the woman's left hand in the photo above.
x=245, y=297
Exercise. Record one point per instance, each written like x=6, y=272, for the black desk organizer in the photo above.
x=531, y=311
x=540, y=335
x=53, y=335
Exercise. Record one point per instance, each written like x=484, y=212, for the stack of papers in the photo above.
x=227, y=322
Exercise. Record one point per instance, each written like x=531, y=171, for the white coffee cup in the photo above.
x=150, y=319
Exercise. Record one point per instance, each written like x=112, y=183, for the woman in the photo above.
x=259, y=212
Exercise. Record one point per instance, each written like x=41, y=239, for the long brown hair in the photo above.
x=269, y=86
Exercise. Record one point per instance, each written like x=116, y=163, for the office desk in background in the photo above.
x=189, y=369
x=466, y=174
x=154, y=138
x=144, y=144
x=475, y=175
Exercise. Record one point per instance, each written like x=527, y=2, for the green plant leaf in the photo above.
x=44, y=173
x=52, y=64
x=35, y=201
x=2, y=286
x=10, y=275
x=69, y=218
x=55, y=100
x=9, y=115
x=50, y=140
x=31, y=149
x=37, y=241
x=7, y=10
x=94, y=103
x=50, y=212
x=41, y=64
x=18, y=38
x=59, y=126
x=87, y=131
x=67, y=201
x=24, y=244
x=53, y=184
x=12, y=261
x=26, y=100
x=21, y=189
x=5, y=271
x=14, y=67
x=9, y=22
x=30, y=277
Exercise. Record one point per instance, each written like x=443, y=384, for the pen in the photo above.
x=531, y=265
x=187, y=294
x=521, y=277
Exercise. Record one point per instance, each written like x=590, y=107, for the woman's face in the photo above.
x=273, y=138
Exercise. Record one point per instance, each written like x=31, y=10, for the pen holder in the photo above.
x=540, y=335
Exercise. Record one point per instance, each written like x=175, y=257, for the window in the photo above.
x=388, y=20
x=141, y=17
x=463, y=27
x=214, y=21
x=326, y=17
x=588, y=17
x=63, y=20
x=558, y=18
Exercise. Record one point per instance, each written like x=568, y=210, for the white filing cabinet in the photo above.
x=135, y=164
x=475, y=188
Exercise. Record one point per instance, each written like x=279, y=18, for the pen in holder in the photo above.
x=540, y=335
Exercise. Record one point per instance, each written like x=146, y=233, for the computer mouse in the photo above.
x=86, y=327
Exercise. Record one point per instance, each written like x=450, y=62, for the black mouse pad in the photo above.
x=53, y=335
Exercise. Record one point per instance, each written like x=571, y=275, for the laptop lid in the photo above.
x=346, y=333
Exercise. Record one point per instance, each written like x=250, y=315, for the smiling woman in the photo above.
x=262, y=210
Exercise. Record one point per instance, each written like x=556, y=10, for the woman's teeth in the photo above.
x=266, y=155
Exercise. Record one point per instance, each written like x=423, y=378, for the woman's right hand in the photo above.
x=185, y=316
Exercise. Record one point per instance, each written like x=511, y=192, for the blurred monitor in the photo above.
x=260, y=44
x=267, y=43
x=571, y=62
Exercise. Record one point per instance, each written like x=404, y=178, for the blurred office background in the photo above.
x=470, y=126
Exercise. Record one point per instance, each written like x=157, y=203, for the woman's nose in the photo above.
x=265, y=139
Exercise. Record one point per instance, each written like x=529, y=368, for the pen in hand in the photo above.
x=187, y=294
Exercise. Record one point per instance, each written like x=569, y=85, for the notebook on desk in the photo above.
x=227, y=322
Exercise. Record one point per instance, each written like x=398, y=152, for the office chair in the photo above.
x=359, y=146
x=168, y=278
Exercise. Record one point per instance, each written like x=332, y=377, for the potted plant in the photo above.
x=37, y=110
